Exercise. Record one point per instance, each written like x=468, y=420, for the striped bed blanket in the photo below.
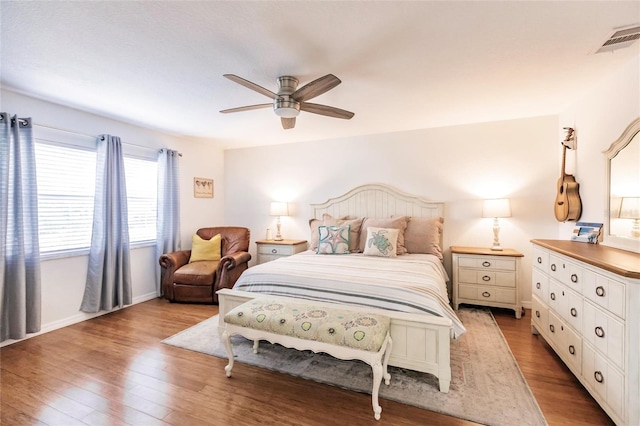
x=414, y=283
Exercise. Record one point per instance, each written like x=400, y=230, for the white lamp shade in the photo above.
x=279, y=209
x=499, y=207
x=630, y=208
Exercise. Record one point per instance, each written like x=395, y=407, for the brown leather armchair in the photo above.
x=198, y=282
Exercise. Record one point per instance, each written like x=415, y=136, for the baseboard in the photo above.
x=80, y=317
x=526, y=304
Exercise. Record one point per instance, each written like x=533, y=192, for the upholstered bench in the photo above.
x=341, y=333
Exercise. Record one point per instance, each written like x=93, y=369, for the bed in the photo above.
x=409, y=288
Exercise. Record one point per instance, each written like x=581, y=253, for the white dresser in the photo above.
x=486, y=277
x=586, y=305
x=269, y=250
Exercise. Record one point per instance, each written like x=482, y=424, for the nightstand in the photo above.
x=269, y=250
x=486, y=277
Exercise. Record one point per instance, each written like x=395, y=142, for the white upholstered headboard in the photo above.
x=378, y=201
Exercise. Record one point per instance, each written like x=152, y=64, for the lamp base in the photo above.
x=496, y=248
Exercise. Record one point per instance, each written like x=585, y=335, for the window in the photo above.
x=142, y=198
x=66, y=187
x=66, y=184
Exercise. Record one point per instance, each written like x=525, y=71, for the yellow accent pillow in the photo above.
x=205, y=249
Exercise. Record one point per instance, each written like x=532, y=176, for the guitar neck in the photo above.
x=564, y=157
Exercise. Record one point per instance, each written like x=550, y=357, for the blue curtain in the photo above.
x=20, y=291
x=109, y=275
x=168, y=218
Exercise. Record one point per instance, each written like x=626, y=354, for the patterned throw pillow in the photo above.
x=381, y=242
x=333, y=239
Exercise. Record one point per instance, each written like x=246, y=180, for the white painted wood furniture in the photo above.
x=586, y=305
x=377, y=357
x=420, y=342
x=486, y=277
x=269, y=250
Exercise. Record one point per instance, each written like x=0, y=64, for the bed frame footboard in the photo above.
x=420, y=342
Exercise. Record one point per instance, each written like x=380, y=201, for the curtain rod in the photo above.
x=95, y=137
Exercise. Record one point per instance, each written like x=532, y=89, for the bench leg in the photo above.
x=385, y=365
x=377, y=379
x=227, y=344
x=256, y=343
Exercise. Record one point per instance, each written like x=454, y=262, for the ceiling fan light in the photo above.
x=286, y=108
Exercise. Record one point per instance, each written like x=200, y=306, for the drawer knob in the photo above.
x=598, y=376
x=600, y=291
x=538, y=286
x=274, y=251
x=574, y=312
x=539, y=259
x=553, y=267
x=486, y=294
x=486, y=278
x=572, y=350
x=574, y=278
x=537, y=314
x=552, y=296
x=486, y=264
x=599, y=331
x=552, y=328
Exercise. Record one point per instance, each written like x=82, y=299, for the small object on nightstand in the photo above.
x=482, y=276
x=269, y=250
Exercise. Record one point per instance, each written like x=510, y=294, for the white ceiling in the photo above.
x=403, y=65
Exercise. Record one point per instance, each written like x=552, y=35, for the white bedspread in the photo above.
x=414, y=283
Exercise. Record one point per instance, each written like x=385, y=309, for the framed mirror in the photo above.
x=622, y=221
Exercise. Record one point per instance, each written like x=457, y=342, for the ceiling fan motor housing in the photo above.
x=284, y=105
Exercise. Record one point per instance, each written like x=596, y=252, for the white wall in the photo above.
x=63, y=279
x=599, y=118
x=459, y=165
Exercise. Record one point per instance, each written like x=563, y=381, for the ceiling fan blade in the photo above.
x=316, y=88
x=246, y=108
x=326, y=110
x=250, y=85
x=288, y=123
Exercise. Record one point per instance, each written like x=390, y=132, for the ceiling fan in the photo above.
x=290, y=100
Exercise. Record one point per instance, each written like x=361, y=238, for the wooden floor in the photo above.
x=113, y=370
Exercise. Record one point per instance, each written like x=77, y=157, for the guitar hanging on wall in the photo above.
x=568, y=205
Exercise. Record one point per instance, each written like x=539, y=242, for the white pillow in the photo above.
x=381, y=242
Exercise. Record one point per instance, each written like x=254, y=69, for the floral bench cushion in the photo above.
x=357, y=330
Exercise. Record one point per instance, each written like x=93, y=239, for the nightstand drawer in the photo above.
x=276, y=250
x=489, y=294
x=487, y=262
x=502, y=279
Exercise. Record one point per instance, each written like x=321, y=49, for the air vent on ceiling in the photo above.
x=621, y=38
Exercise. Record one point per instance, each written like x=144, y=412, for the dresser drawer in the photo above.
x=604, y=379
x=540, y=284
x=605, y=333
x=540, y=259
x=568, y=273
x=491, y=278
x=606, y=293
x=540, y=315
x=488, y=262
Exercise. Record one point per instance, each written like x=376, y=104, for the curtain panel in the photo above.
x=20, y=281
x=168, y=216
x=109, y=275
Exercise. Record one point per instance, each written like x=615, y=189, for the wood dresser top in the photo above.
x=621, y=262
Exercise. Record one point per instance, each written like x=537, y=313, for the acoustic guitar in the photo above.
x=568, y=205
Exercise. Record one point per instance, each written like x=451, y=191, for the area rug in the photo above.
x=487, y=385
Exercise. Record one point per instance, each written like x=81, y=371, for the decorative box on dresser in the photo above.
x=586, y=305
x=269, y=250
x=486, y=277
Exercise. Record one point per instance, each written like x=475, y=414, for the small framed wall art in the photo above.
x=202, y=187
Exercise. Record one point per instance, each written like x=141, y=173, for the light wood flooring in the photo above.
x=113, y=370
